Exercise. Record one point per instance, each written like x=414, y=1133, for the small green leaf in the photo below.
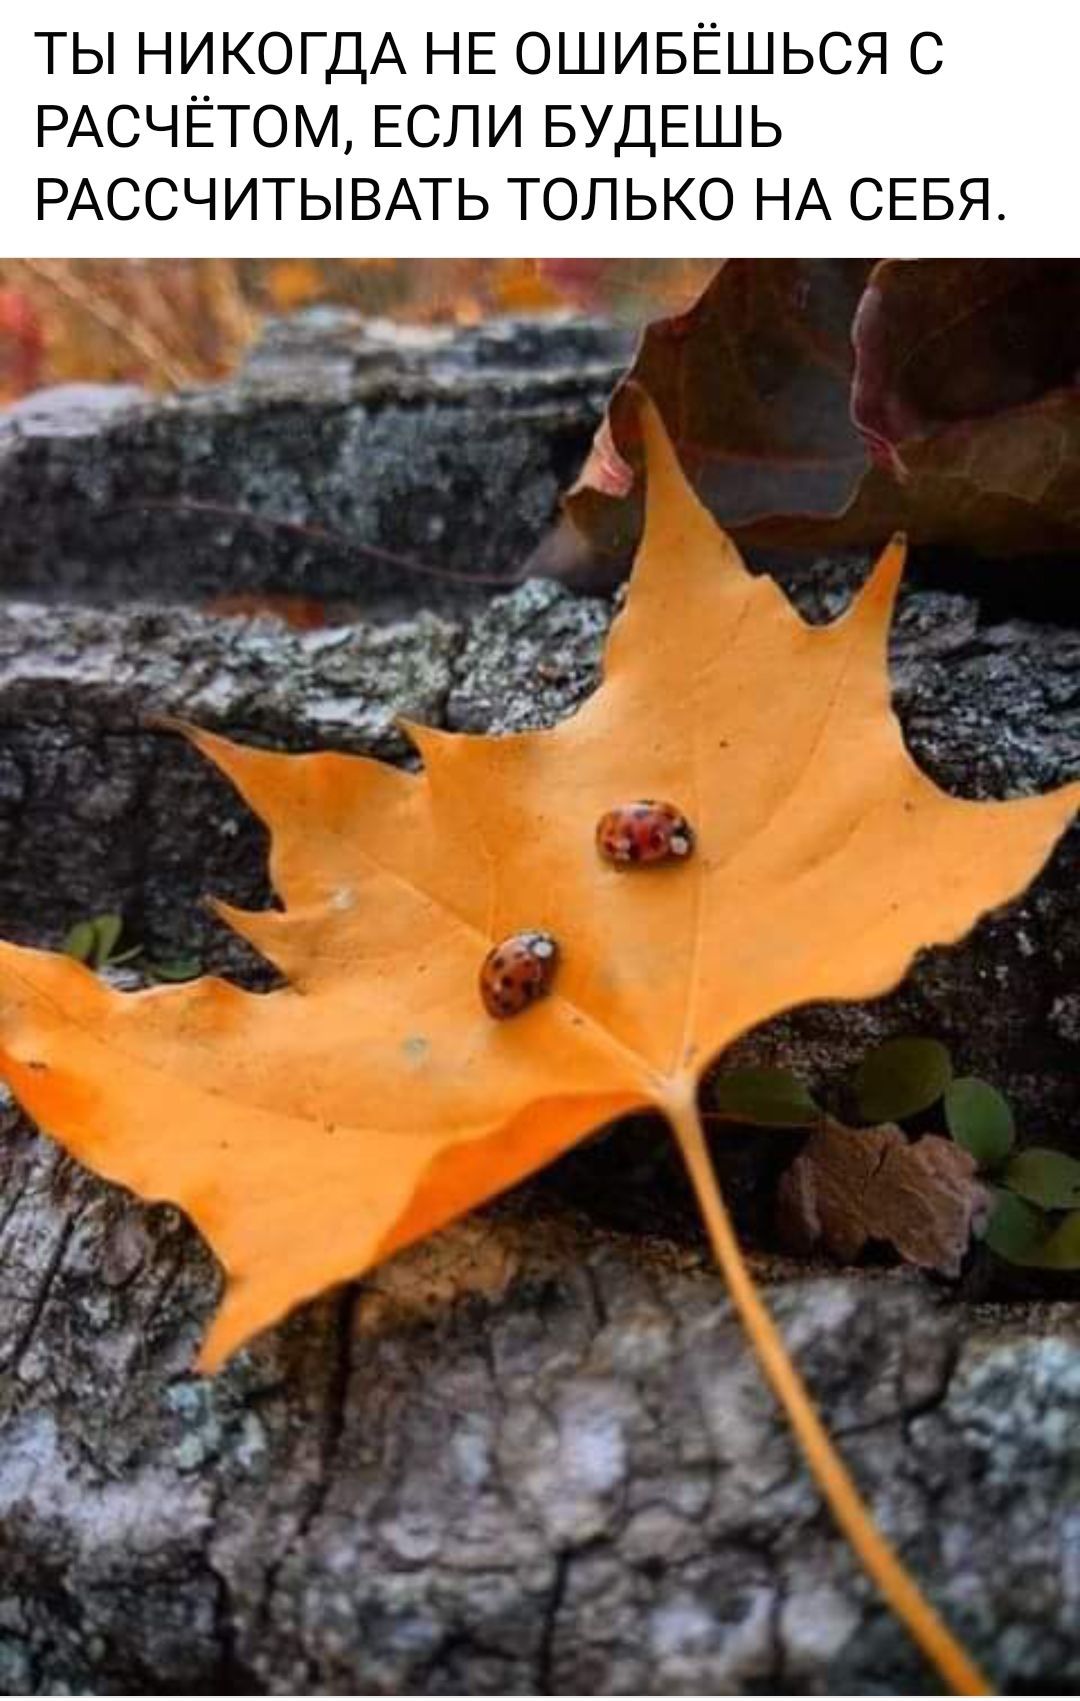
x=900, y=1078
x=1016, y=1231
x=107, y=930
x=980, y=1120
x=80, y=940
x=1046, y=1177
x=771, y=1097
x=1061, y=1251
x=175, y=969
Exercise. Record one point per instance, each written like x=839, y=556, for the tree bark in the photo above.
x=529, y=1458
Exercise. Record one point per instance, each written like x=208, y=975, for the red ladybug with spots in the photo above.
x=516, y=972
x=644, y=832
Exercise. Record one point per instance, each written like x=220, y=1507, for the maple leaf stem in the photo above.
x=829, y=1471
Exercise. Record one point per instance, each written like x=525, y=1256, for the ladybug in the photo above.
x=646, y=831
x=517, y=972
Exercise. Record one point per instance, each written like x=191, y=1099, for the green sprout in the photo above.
x=1035, y=1190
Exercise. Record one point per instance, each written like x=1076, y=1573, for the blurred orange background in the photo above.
x=166, y=323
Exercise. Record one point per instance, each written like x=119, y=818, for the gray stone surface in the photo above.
x=100, y=811
x=530, y=1458
x=449, y=446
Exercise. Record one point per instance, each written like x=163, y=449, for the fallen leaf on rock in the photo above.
x=821, y=404
x=940, y=343
x=752, y=383
x=851, y=1186
x=303, y=614
x=311, y=1131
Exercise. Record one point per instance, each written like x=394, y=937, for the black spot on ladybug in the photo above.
x=517, y=972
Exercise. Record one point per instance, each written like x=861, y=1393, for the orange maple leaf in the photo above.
x=311, y=1131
